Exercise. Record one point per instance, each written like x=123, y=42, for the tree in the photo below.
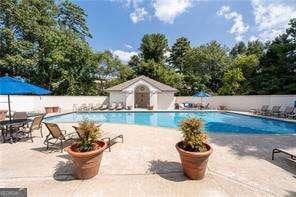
x=232, y=82
x=178, y=52
x=44, y=42
x=248, y=65
x=73, y=18
x=277, y=68
x=255, y=48
x=110, y=71
x=153, y=47
x=207, y=64
x=238, y=49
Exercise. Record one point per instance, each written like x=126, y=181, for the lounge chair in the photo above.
x=197, y=105
x=263, y=110
x=20, y=115
x=35, y=125
x=277, y=150
x=90, y=107
x=288, y=111
x=275, y=111
x=120, y=106
x=55, y=133
x=103, y=107
x=111, y=140
x=113, y=106
x=83, y=107
x=207, y=106
x=97, y=107
x=293, y=114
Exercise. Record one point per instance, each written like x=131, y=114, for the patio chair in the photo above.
x=293, y=114
x=113, y=106
x=277, y=150
x=263, y=110
x=104, y=107
x=120, y=106
x=111, y=140
x=55, y=133
x=97, y=107
x=83, y=107
x=288, y=111
x=20, y=115
x=90, y=107
x=275, y=111
x=207, y=106
x=35, y=125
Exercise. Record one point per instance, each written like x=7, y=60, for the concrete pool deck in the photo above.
x=147, y=164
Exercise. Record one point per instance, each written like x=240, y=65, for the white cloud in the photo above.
x=253, y=38
x=138, y=15
x=124, y=56
x=128, y=46
x=239, y=28
x=168, y=10
x=271, y=18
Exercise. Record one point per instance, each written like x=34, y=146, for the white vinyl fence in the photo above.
x=240, y=103
x=37, y=103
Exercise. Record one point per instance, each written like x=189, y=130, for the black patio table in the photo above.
x=10, y=127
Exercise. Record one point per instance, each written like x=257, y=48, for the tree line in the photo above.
x=44, y=41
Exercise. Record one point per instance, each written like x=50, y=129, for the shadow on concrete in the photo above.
x=291, y=194
x=53, y=148
x=259, y=146
x=63, y=171
x=169, y=170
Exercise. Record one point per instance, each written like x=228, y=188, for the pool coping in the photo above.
x=183, y=111
x=156, y=111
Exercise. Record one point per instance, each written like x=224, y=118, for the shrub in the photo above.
x=89, y=134
x=194, y=137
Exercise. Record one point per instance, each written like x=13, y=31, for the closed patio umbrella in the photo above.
x=12, y=86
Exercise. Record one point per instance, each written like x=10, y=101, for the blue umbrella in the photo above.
x=12, y=86
x=201, y=94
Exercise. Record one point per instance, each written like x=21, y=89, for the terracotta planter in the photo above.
x=194, y=163
x=86, y=164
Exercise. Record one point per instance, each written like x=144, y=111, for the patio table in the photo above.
x=10, y=127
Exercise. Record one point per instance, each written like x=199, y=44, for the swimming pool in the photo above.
x=223, y=122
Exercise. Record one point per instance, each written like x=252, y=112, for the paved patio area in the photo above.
x=147, y=164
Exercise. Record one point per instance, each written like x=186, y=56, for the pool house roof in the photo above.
x=162, y=87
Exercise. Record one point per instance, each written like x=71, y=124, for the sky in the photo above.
x=119, y=25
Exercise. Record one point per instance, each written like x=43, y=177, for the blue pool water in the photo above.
x=214, y=121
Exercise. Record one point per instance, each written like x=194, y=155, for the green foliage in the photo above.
x=194, y=137
x=44, y=42
x=111, y=71
x=232, y=82
x=178, y=51
x=238, y=49
x=206, y=65
x=153, y=47
x=89, y=134
x=277, y=69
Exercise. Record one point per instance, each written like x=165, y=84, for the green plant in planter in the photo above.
x=89, y=134
x=194, y=137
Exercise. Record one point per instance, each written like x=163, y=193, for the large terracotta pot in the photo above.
x=194, y=163
x=86, y=164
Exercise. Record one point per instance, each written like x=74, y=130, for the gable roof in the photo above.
x=162, y=87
